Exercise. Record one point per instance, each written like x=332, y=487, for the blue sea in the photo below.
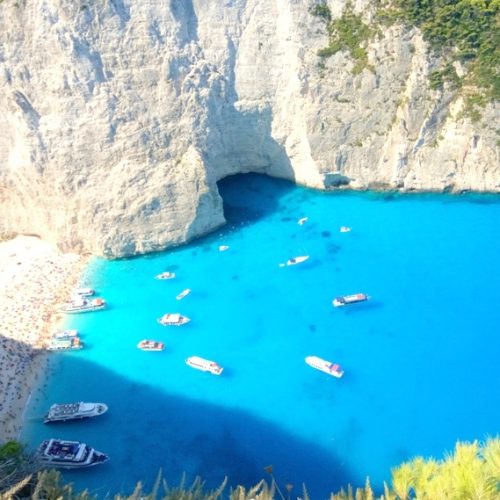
x=420, y=357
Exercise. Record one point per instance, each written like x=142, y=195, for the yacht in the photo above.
x=69, y=454
x=349, y=299
x=65, y=334
x=83, y=292
x=325, y=366
x=173, y=319
x=81, y=305
x=74, y=411
x=205, y=365
x=150, y=345
x=165, y=276
x=65, y=344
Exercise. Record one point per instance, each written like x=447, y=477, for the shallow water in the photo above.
x=420, y=357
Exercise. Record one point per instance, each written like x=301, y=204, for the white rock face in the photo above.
x=118, y=118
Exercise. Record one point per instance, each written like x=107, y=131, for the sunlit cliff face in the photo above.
x=118, y=119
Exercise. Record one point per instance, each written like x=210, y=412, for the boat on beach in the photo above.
x=205, y=365
x=74, y=411
x=175, y=319
x=69, y=454
x=83, y=292
x=150, y=345
x=65, y=334
x=81, y=305
x=185, y=292
x=344, y=300
x=165, y=276
x=325, y=366
x=65, y=344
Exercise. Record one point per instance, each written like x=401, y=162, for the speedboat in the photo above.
x=173, y=319
x=83, y=292
x=185, y=292
x=345, y=229
x=296, y=260
x=205, y=365
x=65, y=344
x=150, y=345
x=165, y=276
x=349, y=299
x=223, y=248
x=325, y=366
x=65, y=334
x=74, y=411
x=69, y=454
x=302, y=221
x=81, y=305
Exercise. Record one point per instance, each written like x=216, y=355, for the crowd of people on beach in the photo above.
x=34, y=278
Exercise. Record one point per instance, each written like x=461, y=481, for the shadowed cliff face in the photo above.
x=118, y=119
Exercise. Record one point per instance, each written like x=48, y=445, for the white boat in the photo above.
x=65, y=344
x=325, y=366
x=173, y=319
x=165, y=276
x=296, y=260
x=150, y=345
x=185, y=292
x=205, y=365
x=81, y=305
x=69, y=454
x=223, y=248
x=302, y=221
x=74, y=411
x=345, y=229
x=65, y=334
x=349, y=299
x=84, y=292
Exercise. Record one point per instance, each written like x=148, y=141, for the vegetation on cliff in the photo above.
x=472, y=471
x=465, y=34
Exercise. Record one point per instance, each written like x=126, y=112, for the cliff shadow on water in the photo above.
x=147, y=429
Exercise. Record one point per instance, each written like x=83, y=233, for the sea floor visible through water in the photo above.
x=420, y=357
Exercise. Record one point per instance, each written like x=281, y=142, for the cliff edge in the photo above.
x=118, y=118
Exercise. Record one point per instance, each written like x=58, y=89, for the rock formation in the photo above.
x=117, y=118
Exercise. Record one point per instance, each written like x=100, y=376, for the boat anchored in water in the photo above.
x=175, y=319
x=349, y=299
x=150, y=345
x=165, y=276
x=325, y=366
x=83, y=292
x=345, y=229
x=65, y=334
x=69, y=454
x=205, y=365
x=185, y=292
x=74, y=411
x=65, y=344
x=293, y=261
x=81, y=305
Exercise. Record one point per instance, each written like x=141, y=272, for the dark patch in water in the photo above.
x=333, y=249
x=312, y=328
x=286, y=219
x=235, y=277
x=326, y=234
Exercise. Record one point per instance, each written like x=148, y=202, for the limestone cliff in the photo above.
x=117, y=118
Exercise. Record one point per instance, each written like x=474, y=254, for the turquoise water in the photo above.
x=420, y=358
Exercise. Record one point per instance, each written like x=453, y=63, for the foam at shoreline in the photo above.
x=34, y=278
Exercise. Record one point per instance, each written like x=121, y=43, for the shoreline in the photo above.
x=34, y=278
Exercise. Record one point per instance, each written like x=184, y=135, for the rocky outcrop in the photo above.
x=118, y=118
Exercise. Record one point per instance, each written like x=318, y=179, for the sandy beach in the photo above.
x=34, y=279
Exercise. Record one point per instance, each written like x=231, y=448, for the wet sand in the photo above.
x=34, y=279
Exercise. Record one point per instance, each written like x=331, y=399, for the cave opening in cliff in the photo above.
x=250, y=197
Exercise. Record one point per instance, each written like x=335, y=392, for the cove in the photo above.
x=420, y=357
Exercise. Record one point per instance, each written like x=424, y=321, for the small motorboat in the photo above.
x=302, y=221
x=65, y=344
x=205, y=365
x=65, y=334
x=325, y=366
x=223, y=248
x=150, y=345
x=165, y=276
x=175, y=319
x=293, y=261
x=345, y=229
x=185, y=292
x=345, y=300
